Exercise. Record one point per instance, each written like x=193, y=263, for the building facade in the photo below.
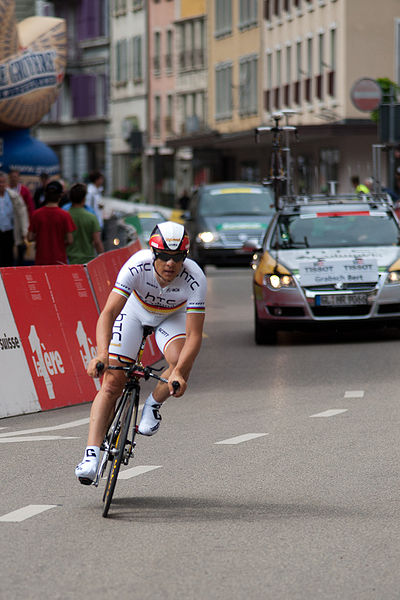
x=76, y=127
x=128, y=94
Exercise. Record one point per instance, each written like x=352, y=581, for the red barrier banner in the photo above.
x=55, y=314
x=104, y=269
x=18, y=394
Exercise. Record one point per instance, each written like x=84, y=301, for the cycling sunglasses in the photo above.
x=165, y=256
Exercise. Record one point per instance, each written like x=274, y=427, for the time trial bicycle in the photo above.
x=118, y=446
x=279, y=169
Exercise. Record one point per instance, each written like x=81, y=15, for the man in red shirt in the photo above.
x=51, y=228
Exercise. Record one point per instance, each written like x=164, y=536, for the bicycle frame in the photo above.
x=278, y=172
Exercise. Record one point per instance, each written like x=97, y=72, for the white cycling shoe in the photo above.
x=151, y=418
x=87, y=469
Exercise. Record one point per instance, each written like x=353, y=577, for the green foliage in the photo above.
x=388, y=88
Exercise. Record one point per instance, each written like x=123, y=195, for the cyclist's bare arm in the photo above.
x=187, y=356
x=115, y=303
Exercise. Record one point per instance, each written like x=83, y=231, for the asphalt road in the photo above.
x=304, y=505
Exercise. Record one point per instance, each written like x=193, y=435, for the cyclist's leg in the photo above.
x=170, y=338
x=125, y=342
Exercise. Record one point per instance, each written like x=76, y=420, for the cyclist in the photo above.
x=162, y=288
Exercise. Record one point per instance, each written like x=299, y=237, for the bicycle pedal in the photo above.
x=85, y=481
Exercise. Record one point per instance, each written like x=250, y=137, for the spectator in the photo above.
x=51, y=228
x=14, y=222
x=23, y=191
x=360, y=188
x=87, y=240
x=184, y=200
x=38, y=196
x=93, y=196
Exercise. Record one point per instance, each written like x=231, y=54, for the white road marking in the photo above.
x=139, y=470
x=3, y=427
x=331, y=412
x=241, y=438
x=354, y=394
x=37, y=438
x=26, y=512
x=52, y=428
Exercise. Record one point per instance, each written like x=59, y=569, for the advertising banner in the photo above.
x=104, y=269
x=18, y=394
x=56, y=316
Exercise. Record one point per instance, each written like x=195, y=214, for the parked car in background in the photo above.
x=327, y=260
x=144, y=222
x=222, y=217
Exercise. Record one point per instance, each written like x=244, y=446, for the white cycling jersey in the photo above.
x=150, y=304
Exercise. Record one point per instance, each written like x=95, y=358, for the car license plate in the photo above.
x=341, y=299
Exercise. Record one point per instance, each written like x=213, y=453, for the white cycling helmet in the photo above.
x=169, y=236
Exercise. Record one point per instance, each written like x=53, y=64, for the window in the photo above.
x=83, y=96
x=91, y=19
x=223, y=91
x=299, y=72
x=268, y=92
x=247, y=13
x=137, y=58
x=157, y=116
x=287, y=99
x=168, y=55
x=157, y=52
x=248, y=86
x=223, y=17
x=169, y=115
x=121, y=65
x=332, y=66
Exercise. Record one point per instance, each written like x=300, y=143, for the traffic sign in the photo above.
x=366, y=94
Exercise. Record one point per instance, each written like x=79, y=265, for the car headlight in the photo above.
x=207, y=237
x=276, y=281
x=393, y=277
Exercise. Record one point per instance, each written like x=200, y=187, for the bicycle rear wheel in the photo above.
x=119, y=449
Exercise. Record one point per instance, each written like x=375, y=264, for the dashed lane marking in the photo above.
x=37, y=438
x=354, y=394
x=26, y=512
x=241, y=438
x=42, y=429
x=139, y=470
x=331, y=412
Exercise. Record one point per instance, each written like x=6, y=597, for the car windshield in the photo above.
x=236, y=201
x=335, y=230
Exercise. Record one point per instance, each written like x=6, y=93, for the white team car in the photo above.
x=327, y=260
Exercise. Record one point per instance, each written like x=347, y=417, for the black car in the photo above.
x=222, y=217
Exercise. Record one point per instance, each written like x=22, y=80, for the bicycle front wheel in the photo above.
x=119, y=448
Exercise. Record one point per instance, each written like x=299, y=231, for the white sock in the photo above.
x=92, y=453
x=150, y=401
